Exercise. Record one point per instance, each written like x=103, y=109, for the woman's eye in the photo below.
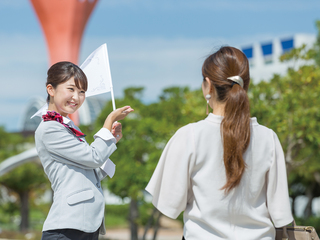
x=71, y=89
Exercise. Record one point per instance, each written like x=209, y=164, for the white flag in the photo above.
x=97, y=69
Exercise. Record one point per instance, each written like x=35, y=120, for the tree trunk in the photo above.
x=293, y=205
x=309, y=195
x=133, y=216
x=24, y=210
x=149, y=223
x=157, y=225
x=154, y=219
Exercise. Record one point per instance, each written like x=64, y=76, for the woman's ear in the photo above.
x=50, y=90
x=208, y=85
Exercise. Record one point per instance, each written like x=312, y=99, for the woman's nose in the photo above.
x=75, y=96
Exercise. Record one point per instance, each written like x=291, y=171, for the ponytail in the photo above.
x=235, y=126
x=235, y=131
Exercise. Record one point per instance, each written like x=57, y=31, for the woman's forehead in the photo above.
x=71, y=82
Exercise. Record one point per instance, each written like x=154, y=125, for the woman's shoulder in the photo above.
x=263, y=132
x=190, y=130
x=195, y=126
x=186, y=128
x=256, y=125
x=48, y=126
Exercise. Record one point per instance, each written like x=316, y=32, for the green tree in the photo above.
x=23, y=180
x=289, y=105
x=10, y=144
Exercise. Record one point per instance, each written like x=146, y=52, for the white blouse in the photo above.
x=191, y=173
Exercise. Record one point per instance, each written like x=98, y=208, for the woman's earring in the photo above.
x=208, y=96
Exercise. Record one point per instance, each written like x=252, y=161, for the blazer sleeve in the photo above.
x=66, y=147
x=277, y=188
x=170, y=182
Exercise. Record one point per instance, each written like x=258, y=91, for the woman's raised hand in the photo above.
x=121, y=113
x=116, y=115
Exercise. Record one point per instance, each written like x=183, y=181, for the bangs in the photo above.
x=62, y=71
x=80, y=79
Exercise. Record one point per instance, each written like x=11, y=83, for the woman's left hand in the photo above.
x=117, y=130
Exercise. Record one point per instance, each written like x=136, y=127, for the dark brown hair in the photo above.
x=61, y=72
x=235, y=126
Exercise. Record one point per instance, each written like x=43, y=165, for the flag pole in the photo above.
x=112, y=97
x=110, y=79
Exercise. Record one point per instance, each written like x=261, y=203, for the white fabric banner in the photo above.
x=97, y=69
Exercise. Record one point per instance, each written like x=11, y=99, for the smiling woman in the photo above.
x=74, y=167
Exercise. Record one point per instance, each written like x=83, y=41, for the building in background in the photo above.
x=264, y=56
x=30, y=124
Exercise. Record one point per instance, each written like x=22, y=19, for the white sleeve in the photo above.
x=109, y=168
x=170, y=181
x=277, y=188
x=106, y=135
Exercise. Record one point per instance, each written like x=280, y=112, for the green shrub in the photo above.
x=116, y=216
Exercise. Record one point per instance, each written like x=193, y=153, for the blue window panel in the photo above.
x=287, y=44
x=266, y=49
x=248, y=52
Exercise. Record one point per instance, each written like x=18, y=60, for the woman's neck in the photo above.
x=52, y=107
x=218, y=109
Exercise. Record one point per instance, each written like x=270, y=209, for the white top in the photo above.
x=191, y=172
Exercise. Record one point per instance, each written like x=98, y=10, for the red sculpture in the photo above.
x=63, y=23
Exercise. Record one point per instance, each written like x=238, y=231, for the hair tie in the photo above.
x=237, y=80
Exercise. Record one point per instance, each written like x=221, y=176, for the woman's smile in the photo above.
x=72, y=104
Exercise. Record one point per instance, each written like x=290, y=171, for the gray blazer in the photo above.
x=73, y=169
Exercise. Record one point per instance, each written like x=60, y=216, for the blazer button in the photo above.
x=98, y=185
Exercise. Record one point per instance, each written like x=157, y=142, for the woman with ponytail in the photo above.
x=226, y=172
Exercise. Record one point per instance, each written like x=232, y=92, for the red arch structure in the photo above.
x=63, y=23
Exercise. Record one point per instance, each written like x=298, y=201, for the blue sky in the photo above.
x=155, y=44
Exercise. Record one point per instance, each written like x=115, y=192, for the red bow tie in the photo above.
x=54, y=116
